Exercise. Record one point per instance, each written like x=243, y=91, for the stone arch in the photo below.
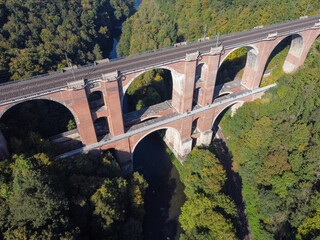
x=250, y=48
x=101, y=127
x=223, y=109
x=43, y=98
x=228, y=70
x=172, y=137
x=46, y=116
x=177, y=80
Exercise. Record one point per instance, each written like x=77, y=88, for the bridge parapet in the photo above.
x=112, y=76
x=216, y=50
x=78, y=84
x=192, y=56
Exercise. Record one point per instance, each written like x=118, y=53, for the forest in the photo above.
x=209, y=212
x=35, y=35
x=43, y=198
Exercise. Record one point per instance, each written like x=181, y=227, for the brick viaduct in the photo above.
x=194, y=87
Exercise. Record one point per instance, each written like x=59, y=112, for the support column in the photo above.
x=256, y=60
x=113, y=103
x=186, y=146
x=179, y=147
x=211, y=77
x=77, y=99
x=182, y=98
x=205, y=138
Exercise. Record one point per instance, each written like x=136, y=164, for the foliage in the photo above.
x=208, y=211
x=69, y=199
x=232, y=66
x=148, y=29
x=276, y=142
x=35, y=35
x=150, y=88
x=71, y=125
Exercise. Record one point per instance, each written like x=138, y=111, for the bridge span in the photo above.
x=165, y=122
x=195, y=101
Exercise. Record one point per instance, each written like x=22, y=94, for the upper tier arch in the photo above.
x=42, y=98
x=177, y=80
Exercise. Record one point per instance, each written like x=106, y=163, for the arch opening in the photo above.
x=151, y=159
x=277, y=63
x=27, y=124
x=147, y=89
x=95, y=99
x=170, y=135
x=232, y=66
x=101, y=127
x=216, y=121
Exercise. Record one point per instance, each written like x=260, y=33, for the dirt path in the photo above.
x=234, y=185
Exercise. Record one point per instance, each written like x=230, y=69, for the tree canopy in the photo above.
x=36, y=35
x=209, y=211
x=69, y=199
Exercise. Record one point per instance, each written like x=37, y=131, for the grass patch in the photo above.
x=177, y=164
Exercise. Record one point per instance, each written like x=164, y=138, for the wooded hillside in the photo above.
x=35, y=35
x=172, y=21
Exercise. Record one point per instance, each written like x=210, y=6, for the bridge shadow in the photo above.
x=66, y=141
x=234, y=185
x=164, y=196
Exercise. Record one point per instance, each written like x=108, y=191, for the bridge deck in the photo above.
x=54, y=82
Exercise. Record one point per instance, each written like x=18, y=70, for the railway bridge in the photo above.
x=196, y=98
